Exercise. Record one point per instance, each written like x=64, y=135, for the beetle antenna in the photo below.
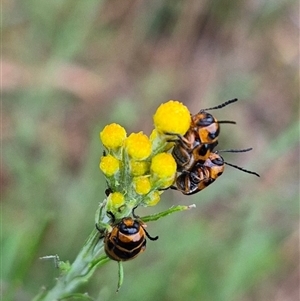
x=150, y=237
x=238, y=151
x=242, y=169
x=222, y=105
x=227, y=121
x=234, y=150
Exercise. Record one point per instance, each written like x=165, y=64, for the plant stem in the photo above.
x=90, y=257
x=156, y=216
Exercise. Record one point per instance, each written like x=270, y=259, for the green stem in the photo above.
x=121, y=275
x=155, y=217
x=90, y=257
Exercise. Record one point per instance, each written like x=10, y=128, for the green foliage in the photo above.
x=70, y=67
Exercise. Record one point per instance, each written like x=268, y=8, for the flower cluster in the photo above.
x=179, y=154
x=139, y=168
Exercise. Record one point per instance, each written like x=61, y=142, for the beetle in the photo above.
x=207, y=126
x=199, y=141
x=202, y=175
x=188, y=151
x=126, y=239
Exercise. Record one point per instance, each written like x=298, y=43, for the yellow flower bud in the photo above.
x=163, y=166
x=109, y=165
x=142, y=185
x=138, y=146
x=113, y=136
x=163, y=170
x=139, y=168
x=114, y=201
x=172, y=117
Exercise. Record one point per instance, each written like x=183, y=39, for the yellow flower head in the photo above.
x=138, y=146
x=114, y=201
x=163, y=166
x=172, y=117
x=138, y=168
x=142, y=185
x=113, y=136
x=109, y=165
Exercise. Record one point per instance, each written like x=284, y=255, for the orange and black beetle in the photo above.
x=126, y=240
x=188, y=151
x=207, y=125
x=200, y=139
x=202, y=175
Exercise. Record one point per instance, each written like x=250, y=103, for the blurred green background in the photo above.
x=69, y=67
